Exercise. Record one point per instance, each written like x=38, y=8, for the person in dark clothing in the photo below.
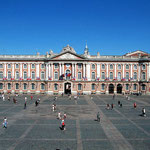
x=98, y=117
x=112, y=106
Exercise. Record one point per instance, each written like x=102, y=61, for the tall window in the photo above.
x=55, y=66
x=68, y=74
x=24, y=86
x=17, y=75
x=79, y=66
x=111, y=75
x=1, y=86
x=17, y=66
x=111, y=66
x=103, y=86
x=93, y=67
x=103, y=75
x=143, y=67
x=17, y=86
x=25, y=75
x=55, y=87
x=9, y=66
x=42, y=66
x=1, y=65
x=93, y=75
x=127, y=86
x=127, y=67
x=42, y=86
x=134, y=87
x=119, y=75
x=9, y=86
x=79, y=75
x=1, y=75
x=119, y=67
x=143, y=87
x=79, y=87
x=56, y=75
x=33, y=86
x=42, y=75
x=25, y=66
x=135, y=67
x=33, y=66
x=127, y=75
x=9, y=75
x=93, y=86
x=143, y=76
x=33, y=75
x=103, y=66
x=135, y=76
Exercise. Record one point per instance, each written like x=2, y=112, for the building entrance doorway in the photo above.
x=119, y=88
x=67, y=89
x=111, y=88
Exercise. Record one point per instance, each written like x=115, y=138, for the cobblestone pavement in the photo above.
x=37, y=128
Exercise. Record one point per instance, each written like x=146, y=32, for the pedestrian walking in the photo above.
x=59, y=115
x=114, y=96
x=121, y=105
x=134, y=105
x=143, y=112
x=112, y=106
x=8, y=98
x=98, y=117
x=118, y=103
x=65, y=116
x=31, y=97
x=108, y=107
x=14, y=100
x=128, y=98
x=5, y=122
x=53, y=107
x=63, y=125
x=25, y=102
x=36, y=103
x=3, y=97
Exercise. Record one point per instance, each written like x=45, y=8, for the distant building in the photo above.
x=70, y=73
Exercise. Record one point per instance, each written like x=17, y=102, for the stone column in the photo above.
x=60, y=69
x=52, y=71
x=75, y=70
x=148, y=71
x=29, y=70
x=83, y=70
x=98, y=70
x=115, y=72
x=5, y=70
x=37, y=70
x=72, y=69
x=88, y=71
x=107, y=71
x=123, y=71
x=13, y=71
x=47, y=71
x=139, y=72
x=131, y=71
x=21, y=70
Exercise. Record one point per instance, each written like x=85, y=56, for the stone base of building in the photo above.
x=37, y=92
x=98, y=92
x=86, y=92
x=49, y=92
x=60, y=92
x=74, y=92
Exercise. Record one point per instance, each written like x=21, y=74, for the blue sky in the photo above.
x=111, y=27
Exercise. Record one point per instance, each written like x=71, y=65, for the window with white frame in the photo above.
x=9, y=86
x=135, y=67
x=143, y=87
x=127, y=75
x=25, y=66
x=103, y=75
x=127, y=67
x=103, y=87
x=143, y=76
x=1, y=86
x=1, y=65
x=9, y=75
x=127, y=86
x=17, y=75
x=93, y=66
x=119, y=67
x=93, y=86
x=119, y=75
x=79, y=87
x=79, y=75
x=55, y=75
x=9, y=66
x=111, y=66
x=17, y=86
x=33, y=75
x=79, y=66
x=103, y=66
x=33, y=86
x=93, y=75
x=17, y=66
x=55, y=86
x=42, y=75
x=67, y=65
x=25, y=86
x=42, y=66
x=42, y=86
x=55, y=66
x=33, y=66
x=143, y=66
x=25, y=75
x=111, y=75
x=134, y=87
x=135, y=76
x=1, y=75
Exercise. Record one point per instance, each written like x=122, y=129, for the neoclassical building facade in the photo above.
x=70, y=73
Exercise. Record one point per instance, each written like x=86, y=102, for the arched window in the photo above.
x=135, y=67
x=79, y=75
x=79, y=87
x=93, y=75
x=103, y=66
x=93, y=67
x=111, y=75
x=1, y=75
x=103, y=75
x=25, y=86
x=111, y=66
x=143, y=66
x=127, y=67
x=33, y=75
x=1, y=86
x=25, y=75
x=42, y=75
x=135, y=76
x=127, y=86
x=143, y=87
x=42, y=86
x=134, y=87
x=17, y=86
x=17, y=75
x=9, y=86
x=127, y=75
x=33, y=86
x=93, y=86
x=119, y=67
x=119, y=75
x=103, y=87
x=56, y=76
x=33, y=66
x=9, y=75
x=55, y=86
x=1, y=65
x=143, y=76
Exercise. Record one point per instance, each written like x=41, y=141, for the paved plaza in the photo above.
x=37, y=128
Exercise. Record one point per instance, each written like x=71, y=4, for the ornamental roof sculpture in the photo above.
x=68, y=48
